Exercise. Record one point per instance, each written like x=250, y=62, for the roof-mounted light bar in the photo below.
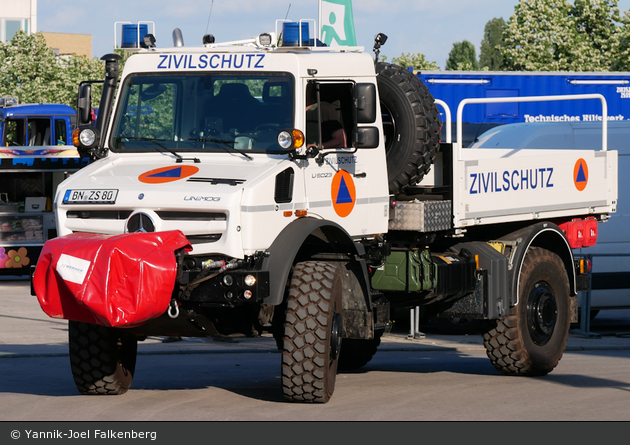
x=132, y=35
x=6, y=102
x=265, y=40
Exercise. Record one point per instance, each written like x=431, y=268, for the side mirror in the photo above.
x=367, y=137
x=365, y=97
x=84, y=105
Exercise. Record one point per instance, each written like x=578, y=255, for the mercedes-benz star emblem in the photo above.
x=140, y=222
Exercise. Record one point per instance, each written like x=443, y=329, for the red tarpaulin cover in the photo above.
x=109, y=280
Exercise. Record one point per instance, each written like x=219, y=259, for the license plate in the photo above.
x=90, y=197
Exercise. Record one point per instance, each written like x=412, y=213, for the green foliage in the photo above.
x=31, y=72
x=490, y=56
x=416, y=61
x=462, y=57
x=557, y=35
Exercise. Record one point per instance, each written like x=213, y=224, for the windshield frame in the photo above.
x=205, y=144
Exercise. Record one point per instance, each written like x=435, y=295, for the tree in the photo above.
x=622, y=61
x=31, y=72
x=556, y=35
x=462, y=57
x=490, y=51
x=416, y=61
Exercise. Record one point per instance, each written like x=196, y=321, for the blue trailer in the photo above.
x=452, y=87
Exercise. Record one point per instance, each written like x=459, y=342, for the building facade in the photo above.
x=16, y=15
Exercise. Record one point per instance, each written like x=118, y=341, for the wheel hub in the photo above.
x=389, y=126
x=542, y=313
x=335, y=338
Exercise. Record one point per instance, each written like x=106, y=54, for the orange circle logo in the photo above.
x=343, y=193
x=167, y=174
x=580, y=174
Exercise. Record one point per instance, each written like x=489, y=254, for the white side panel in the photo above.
x=511, y=185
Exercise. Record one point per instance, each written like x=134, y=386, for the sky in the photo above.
x=427, y=26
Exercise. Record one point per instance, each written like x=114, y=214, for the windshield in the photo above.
x=203, y=112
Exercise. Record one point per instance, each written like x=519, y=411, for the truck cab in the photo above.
x=36, y=125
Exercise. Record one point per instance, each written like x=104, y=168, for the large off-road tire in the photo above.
x=357, y=353
x=411, y=125
x=310, y=353
x=532, y=339
x=102, y=359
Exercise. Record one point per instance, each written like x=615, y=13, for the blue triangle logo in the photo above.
x=172, y=173
x=581, y=177
x=343, y=197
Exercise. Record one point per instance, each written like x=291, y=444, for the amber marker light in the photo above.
x=300, y=213
x=298, y=138
x=75, y=138
x=288, y=213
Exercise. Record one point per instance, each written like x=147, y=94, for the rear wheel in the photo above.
x=311, y=341
x=532, y=339
x=102, y=359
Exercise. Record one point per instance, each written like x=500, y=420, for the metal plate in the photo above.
x=422, y=216
x=90, y=196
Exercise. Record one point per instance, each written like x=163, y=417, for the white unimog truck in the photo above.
x=257, y=222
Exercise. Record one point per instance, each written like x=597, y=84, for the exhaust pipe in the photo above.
x=178, y=39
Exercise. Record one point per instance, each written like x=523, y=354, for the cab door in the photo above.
x=336, y=184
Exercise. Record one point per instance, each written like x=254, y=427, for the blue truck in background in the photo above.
x=36, y=154
x=452, y=87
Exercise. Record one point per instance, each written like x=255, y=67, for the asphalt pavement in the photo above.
x=26, y=331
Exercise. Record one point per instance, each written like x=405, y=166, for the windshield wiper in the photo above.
x=226, y=145
x=179, y=157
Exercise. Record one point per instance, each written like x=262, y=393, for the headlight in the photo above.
x=250, y=280
x=264, y=39
x=88, y=137
x=289, y=140
x=285, y=140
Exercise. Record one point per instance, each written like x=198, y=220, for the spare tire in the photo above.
x=411, y=125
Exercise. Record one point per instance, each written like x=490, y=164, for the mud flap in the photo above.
x=108, y=280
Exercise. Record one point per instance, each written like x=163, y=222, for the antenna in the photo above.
x=209, y=15
x=285, y=17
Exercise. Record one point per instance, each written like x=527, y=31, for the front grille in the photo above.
x=166, y=216
x=98, y=214
x=191, y=216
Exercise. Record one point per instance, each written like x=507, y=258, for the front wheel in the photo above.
x=102, y=359
x=311, y=340
x=531, y=340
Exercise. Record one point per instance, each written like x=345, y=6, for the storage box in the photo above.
x=35, y=205
x=422, y=216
